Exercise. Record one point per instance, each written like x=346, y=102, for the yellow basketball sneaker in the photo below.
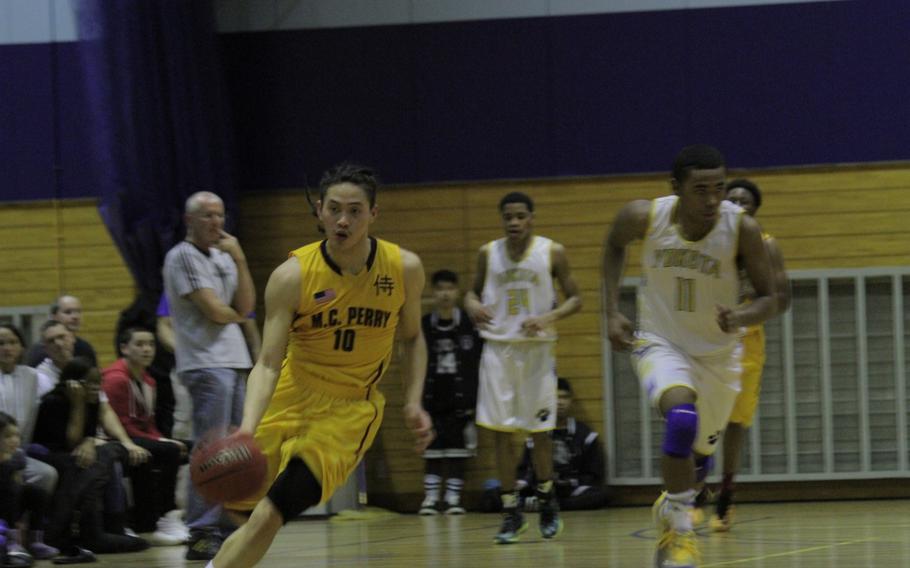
x=657, y=514
x=722, y=520
x=674, y=549
x=677, y=550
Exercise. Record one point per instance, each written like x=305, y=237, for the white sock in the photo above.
x=678, y=507
x=431, y=484
x=210, y=564
x=453, y=490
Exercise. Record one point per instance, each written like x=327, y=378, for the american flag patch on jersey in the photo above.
x=324, y=296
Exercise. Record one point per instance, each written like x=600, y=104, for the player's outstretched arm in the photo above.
x=754, y=254
x=281, y=299
x=414, y=351
x=631, y=224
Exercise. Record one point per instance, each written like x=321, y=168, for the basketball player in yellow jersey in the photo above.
x=332, y=312
x=747, y=195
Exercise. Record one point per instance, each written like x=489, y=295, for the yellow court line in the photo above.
x=790, y=553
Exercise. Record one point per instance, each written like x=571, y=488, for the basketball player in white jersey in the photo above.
x=687, y=349
x=514, y=305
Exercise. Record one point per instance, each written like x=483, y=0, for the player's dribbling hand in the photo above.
x=621, y=332
x=727, y=319
x=419, y=423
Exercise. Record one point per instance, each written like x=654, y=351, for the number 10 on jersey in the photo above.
x=344, y=339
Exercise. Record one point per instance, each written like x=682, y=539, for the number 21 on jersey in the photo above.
x=518, y=301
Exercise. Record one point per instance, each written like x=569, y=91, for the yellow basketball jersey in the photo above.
x=755, y=346
x=344, y=330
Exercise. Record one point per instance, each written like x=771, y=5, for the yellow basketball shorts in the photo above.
x=750, y=381
x=327, y=428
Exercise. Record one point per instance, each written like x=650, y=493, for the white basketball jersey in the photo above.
x=684, y=280
x=515, y=290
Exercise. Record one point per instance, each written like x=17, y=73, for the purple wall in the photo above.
x=582, y=95
x=44, y=123
x=770, y=85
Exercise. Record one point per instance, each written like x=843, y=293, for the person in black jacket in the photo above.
x=578, y=460
x=449, y=395
x=67, y=425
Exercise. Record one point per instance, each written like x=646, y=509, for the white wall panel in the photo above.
x=833, y=402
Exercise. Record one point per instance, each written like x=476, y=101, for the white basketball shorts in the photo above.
x=517, y=390
x=660, y=365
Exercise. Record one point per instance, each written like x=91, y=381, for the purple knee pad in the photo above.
x=682, y=427
x=703, y=467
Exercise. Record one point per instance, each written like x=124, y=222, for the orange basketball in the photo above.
x=227, y=469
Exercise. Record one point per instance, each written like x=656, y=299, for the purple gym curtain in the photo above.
x=159, y=117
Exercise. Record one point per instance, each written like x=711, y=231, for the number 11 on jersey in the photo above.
x=685, y=294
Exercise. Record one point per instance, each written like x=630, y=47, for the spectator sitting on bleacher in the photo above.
x=67, y=310
x=578, y=460
x=19, y=399
x=131, y=391
x=141, y=313
x=67, y=425
x=57, y=342
x=16, y=497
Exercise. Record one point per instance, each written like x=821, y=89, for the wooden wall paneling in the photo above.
x=826, y=217
x=49, y=248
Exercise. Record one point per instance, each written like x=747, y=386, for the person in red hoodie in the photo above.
x=131, y=391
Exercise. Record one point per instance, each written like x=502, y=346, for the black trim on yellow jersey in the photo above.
x=374, y=246
x=323, y=248
x=377, y=376
x=366, y=432
x=328, y=259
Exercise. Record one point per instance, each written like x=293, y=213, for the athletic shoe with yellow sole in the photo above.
x=674, y=549
x=513, y=524
x=677, y=550
x=722, y=520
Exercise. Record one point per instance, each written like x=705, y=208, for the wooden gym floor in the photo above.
x=855, y=534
